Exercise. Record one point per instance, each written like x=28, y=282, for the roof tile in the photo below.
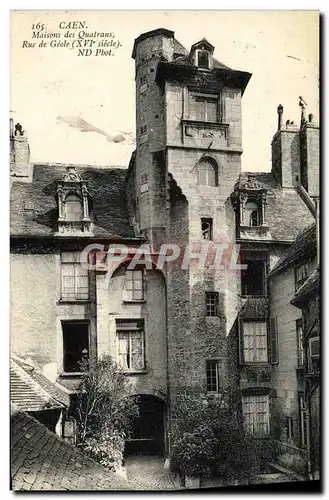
x=48, y=470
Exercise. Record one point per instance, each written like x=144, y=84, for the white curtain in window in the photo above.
x=255, y=341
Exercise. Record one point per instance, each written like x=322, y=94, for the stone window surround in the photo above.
x=72, y=184
x=256, y=196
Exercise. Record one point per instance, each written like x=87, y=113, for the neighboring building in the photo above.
x=182, y=335
x=46, y=401
x=42, y=461
x=307, y=298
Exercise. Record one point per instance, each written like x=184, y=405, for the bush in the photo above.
x=194, y=453
x=218, y=446
x=105, y=410
x=107, y=449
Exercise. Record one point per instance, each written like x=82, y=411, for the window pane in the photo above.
x=68, y=281
x=137, y=361
x=211, y=111
x=200, y=109
x=123, y=351
x=203, y=59
x=212, y=376
x=255, y=341
x=74, y=210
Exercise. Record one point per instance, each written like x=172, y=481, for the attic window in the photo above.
x=203, y=59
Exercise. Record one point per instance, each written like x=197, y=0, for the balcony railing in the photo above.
x=291, y=457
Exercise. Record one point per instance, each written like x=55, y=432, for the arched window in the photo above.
x=207, y=173
x=252, y=214
x=74, y=209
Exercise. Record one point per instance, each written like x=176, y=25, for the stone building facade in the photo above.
x=183, y=334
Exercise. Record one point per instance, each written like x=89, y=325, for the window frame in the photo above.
x=194, y=97
x=301, y=281
x=254, y=348
x=255, y=210
x=252, y=399
x=212, y=304
x=300, y=343
x=303, y=421
x=245, y=278
x=207, y=220
x=76, y=202
x=312, y=357
x=204, y=167
x=76, y=275
x=64, y=323
x=128, y=330
x=215, y=362
x=199, y=52
x=126, y=291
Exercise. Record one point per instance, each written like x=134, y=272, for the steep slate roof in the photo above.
x=105, y=185
x=303, y=247
x=53, y=389
x=286, y=214
x=40, y=460
x=27, y=394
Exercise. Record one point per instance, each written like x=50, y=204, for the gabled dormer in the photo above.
x=73, y=202
x=202, y=54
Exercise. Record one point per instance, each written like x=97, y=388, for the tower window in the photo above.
x=206, y=228
x=205, y=109
x=212, y=303
x=203, y=59
x=207, y=173
x=143, y=129
x=212, y=373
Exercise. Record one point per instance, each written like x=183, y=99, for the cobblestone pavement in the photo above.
x=148, y=473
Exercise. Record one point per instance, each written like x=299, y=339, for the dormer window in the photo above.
x=201, y=53
x=203, y=59
x=74, y=208
x=73, y=202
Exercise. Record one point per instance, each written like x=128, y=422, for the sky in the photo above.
x=53, y=88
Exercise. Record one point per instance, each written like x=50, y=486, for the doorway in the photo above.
x=148, y=435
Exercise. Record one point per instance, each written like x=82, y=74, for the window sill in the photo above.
x=133, y=372
x=260, y=436
x=204, y=123
x=73, y=301
x=71, y=374
x=243, y=296
x=142, y=301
